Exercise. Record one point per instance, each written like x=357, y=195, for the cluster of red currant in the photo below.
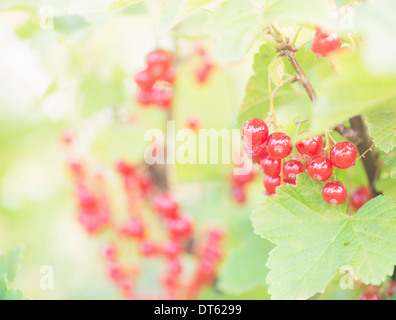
x=156, y=81
x=325, y=43
x=205, y=66
x=154, y=229
x=374, y=292
x=238, y=186
x=269, y=151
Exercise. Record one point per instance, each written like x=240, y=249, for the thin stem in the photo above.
x=271, y=106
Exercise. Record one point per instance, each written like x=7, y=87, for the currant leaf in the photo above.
x=7, y=293
x=314, y=240
x=9, y=263
x=244, y=269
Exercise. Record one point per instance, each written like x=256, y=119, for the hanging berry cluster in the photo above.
x=154, y=231
x=156, y=81
x=271, y=152
x=377, y=293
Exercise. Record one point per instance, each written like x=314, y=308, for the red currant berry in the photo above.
x=255, y=132
x=310, y=147
x=238, y=194
x=144, y=80
x=145, y=98
x=110, y=252
x=334, y=193
x=367, y=296
x=291, y=169
x=320, y=169
x=147, y=248
x=169, y=76
x=115, y=271
x=165, y=205
x=323, y=44
x=271, y=166
x=343, y=155
x=243, y=179
x=180, y=227
x=162, y=98
x=271, y=183
x=256, y=153
x=391, y=290
x=125, y=168
x=360, y=196
x=175, y=267
x=133, y=229
x=279, y=145
x=172, y=249
x=158, y=62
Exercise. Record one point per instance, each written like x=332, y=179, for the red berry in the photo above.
x=133, y=229
x=391, y=290
x=110, y=252
x=367, y=296
x=165, y=205
x=175, y=267
x=203, y=73
x=291, y=169
x=323, y=43
x=360, y=196
x=147, y=248
x=193, y=123
x=180, y=227
x=144, y=80
x=238, y=194
x=271, y=166
x=320, y=169
x=271, y=183
x=334, y=193
x=125, y=168
x=255, y=132
x=162, y=98
x=115, y=271
x=169, y=76
x=279, y=145
x=172, y=249
x=158, y=62
x=310, y=147
x=343, y=155
x=243, y=179
x=145, y=98
x=256, y=153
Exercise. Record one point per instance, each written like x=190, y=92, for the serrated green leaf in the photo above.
x=9, y=263
x=7, y=293
x=351, y=91
x=245, y=267
x=390, y=161
x=315, y=239
x=382, y=126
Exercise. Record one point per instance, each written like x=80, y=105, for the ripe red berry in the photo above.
x=271, y=166
x=291, y=169
x=367, y=296
x=255, y=132
x=162, y=98
x=165, y=205
x=172, y=249
x=158, y=62
x=256, y=153
x=279, y=145
x=320, y=169
x=125, y=168
x=203, y=72
x=169, y=76
x=144, y=80
x=110, y=252
x=343, y=155
x=243, y=179
x=238, y=194
x=360, y=196
x=334, y=193
x=323, y=43
x=147, y=248
x=133, y=229
x=310, y=147
x=391, y=290
x=175, y=267
x=180, y=227
x=271, y=183
x=145, y=98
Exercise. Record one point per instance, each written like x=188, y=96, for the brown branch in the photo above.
x=348, y=133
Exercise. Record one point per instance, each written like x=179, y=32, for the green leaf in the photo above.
x=174, y=11
x=120, y=4
x=7, y=293
x=277, y=70
x=9, y=263
x=235, y=25
x=245, y=268
x=351, y=91
x=390, y=161
x=315, y=239
x=382, y=126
